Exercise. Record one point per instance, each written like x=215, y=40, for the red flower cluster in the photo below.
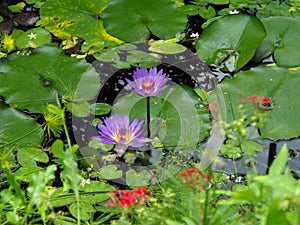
x=260, y=100
x=127, y=198
x=194, y=177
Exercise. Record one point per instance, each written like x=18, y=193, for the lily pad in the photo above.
x=33, y=81
x=33, y=38
x=28, y=157
x=140, y=178
x=18, y=129
x=278, y=83
x=282, y=40
x=75, y=18
x=110, y=172
x=231, y=40
x=143, y=17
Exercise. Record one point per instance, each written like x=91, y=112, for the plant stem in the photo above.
x=148, y=117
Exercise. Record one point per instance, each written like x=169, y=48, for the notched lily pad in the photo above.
x=143, y=17
x=282, y=39
x=33, y=81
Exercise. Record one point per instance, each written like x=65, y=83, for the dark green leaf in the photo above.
x=100, y=108
x=231, y=40
x=143, y=17
x=28, y=157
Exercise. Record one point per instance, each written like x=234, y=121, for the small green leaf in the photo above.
x=57, y=148
x=140, y=178
x=86, y=210
x=99, y=108
x=279, y=164
x=165, y=47
x=207, y=13
x=110, y=172
x=79, y=109
x=250, y=147
x=17, y=8
x=1, y=19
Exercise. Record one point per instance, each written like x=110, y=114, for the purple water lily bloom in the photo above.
x=119, y=132
x=148, y=83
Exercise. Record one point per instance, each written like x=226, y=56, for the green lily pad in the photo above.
x=18, y=129
x=33, y=81
x=282, y=40
x=75, y=18
x=110, y=172
x=165, y=47
x=143, y=17
x=278, y=83
x=33, y=38
x=231, y=40
x=140, y=178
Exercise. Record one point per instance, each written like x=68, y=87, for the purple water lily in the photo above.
x=119, y=132
x=148, y=83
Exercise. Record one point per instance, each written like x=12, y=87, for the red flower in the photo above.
x=252, y=97
x=265, y=100
x=127, y=198
x=212, y=105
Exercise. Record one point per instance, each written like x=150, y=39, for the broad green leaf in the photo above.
x=28, y=157
x=276, y=215
x=279, y=164
x=33, y=38
x=134, y=178
x=18, y=129
x=143, y=17
x=218, y=2
x=231, y=40
x=207, y=13
x=47, y=71
x=282, y=40
x=75, y=18
x=97, y=186
x=17, y=8
x=110, y=172
x=278, y=83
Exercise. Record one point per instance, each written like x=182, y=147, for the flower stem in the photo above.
x=148, y=117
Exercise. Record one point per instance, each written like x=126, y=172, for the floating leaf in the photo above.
x=282, y=40
x=231, y=40
x=140, y=178
x=33, y=38
x=33, y=81
x=110, y=172
x=74, y=18
x=251, y=147
x=143, y=17
x=278, y=83
x=165, y=47
x=99, y=108
x=18, y=129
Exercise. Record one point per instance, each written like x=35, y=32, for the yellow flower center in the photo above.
x=122, y=136
x=147, y=86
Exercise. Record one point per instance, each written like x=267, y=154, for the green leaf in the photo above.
x=74, y=18
x=33, y=38
x=110, y=172
x=99, y=108
x=28, y=157
x=231, y=40
x=1, y=19
x=79, y=109
x=207, y=13
x=57, y=148
x=17, y=8
x=86, y=210
x=282, y=40
x=165, y=47
x=18, y=129
x=140, y=178
x=218, y=2
x=143, y=17
x=279, y=164
x=250, y=147
x=47, y=71
x=278, y=83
